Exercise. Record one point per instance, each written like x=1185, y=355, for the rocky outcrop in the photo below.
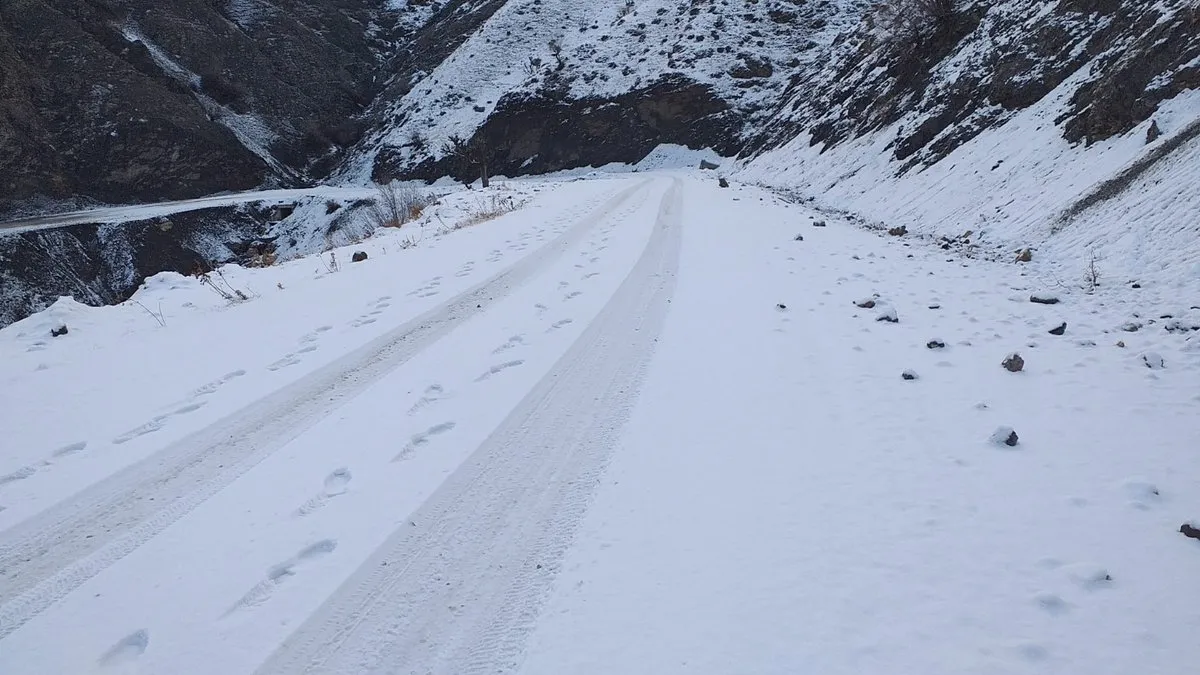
x=137, y=100
x=989, y=60
x=541, y=132
x=105, y=264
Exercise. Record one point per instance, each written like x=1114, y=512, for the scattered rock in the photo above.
x=781, y=307
x=1190, y=530
x=1062, y=328
x=887, y=314
x=1013, y=363
x=723, y=183
x=1025, y=255
x=358, y=256
x=935, y=344
x=60, y=330
x=799, y=237
x=1005, y=436
x=1121, y=344
x=1136, y=285
x=898, y=231
x=1153, y=360
x=865, y=303
x=1131, y=326
x=1044, y=298
x=935, y=306
x=1153, y=133
x=708, y=166
x=818, y=223
x=909, y=375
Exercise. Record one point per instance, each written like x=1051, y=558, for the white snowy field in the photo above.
x=635, y=426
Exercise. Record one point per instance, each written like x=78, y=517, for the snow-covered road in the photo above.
x=638, y=426
x=121, y=214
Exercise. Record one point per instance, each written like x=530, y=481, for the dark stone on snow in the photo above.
x=1189, y=530
x=723, y=183
x=1153, y=133
x=909, y=375
x=865, y=304
x=1062, y=328
x=799, y=237
x=1013, y=363
x=358, y=256
x=780, y=306
x=1043, y=299
x=61, y=330
x=935, y=344
x=1025, y=255
x=818, y=223
x=898, y=231
x=708, y=166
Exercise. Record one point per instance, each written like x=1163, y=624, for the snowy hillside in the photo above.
x=1084, y=153
x=576, y=50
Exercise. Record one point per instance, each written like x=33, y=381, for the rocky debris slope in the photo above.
x=133, y=100
x=1064, y=133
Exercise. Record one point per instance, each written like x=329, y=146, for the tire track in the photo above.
x=49, y=555
x=457, y=589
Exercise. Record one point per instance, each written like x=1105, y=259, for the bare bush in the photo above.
x=483, y=211
x=1091, y=274
x=468, y=155
x=396, y=204
x=221, y=286
x=911, y=26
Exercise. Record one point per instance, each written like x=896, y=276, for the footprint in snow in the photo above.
x=422, y=439
x=559, y=324
x=287, y=360
x=336, y=483
x=280, y=573
x=499, y=368
x=572, y=295
x=126, y=650
x=514, y=341
x=433, y=394
x=71, y=449
x=212, y=387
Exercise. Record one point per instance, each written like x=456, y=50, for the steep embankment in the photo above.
x=133, y=100
x=1071, y=127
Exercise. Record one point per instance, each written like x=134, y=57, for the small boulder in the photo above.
x=1189, y=530
x=1005, y=436
x=865, y=303
x=909, y=375
x=799, y=237
x=1121, y=344
x=898, y=231
x=1131, y=326
x=723, y=183
x=1025, y=255
x=1013, y=363
x=1044, y=299
x=781, y=307
x=358, y=256
x=1153, y=133
x=1062, y=328
x=61, y=329
x=935, y=344
x=1153, y=360
x=888, y=315
x=708, y=166
x=818, y=223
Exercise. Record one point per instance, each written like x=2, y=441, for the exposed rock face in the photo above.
x=537, y=133
x=139, y=100
x=990, y=60
x=105, y=264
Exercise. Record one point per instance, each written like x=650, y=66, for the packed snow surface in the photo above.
x=635, y=426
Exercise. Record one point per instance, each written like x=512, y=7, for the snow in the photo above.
x=633, y=426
